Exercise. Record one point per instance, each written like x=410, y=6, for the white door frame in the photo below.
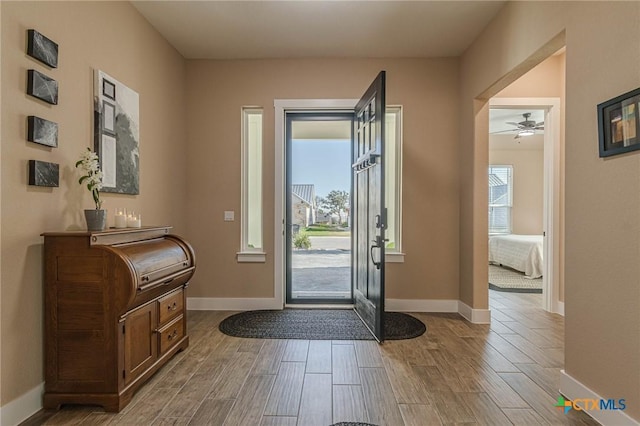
x=551, y=195
x=281, y=107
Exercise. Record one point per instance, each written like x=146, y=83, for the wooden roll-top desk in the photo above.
x=115, y=311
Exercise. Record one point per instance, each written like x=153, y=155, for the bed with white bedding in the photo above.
x=520, y=252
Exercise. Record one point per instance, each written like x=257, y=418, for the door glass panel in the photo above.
x=373, y=136
x=319, y=169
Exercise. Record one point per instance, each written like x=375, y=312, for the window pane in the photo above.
x=393, y=177
x=500, y=199
x=390, y=173
x=499, y=218
x=253, y=180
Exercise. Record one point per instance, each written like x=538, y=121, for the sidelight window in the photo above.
x=393, y=182
x=251, y=233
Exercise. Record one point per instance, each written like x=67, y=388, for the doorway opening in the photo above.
x=546, y=226
x=516, y=180
x=318, y=208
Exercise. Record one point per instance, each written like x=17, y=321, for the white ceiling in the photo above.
x=241, y=29
x=303, y=29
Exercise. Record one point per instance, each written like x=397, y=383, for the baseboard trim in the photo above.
x=23, y=407
x=246, y=304
x=476, y=316
x=572, y=389
x=421, y=305
x=231, y=304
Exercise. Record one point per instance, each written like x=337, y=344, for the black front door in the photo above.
x=368, y=199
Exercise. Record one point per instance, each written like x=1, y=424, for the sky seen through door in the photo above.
x=323, y=163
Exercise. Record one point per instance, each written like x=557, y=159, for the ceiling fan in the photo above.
x=524, y=128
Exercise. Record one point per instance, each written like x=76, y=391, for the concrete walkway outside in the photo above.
x=331, y=243
x=324, y=271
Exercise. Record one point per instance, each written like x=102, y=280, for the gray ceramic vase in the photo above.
x=96, y=219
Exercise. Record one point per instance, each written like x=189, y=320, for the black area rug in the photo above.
x=317, y=324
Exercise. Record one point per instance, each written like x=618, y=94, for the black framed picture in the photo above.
x=42, y=87
x=42, y=48
x=42, y=173
x=41, y=131
x=109, y=89
x=619, y=124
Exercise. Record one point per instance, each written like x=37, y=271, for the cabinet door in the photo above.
x=140, y=344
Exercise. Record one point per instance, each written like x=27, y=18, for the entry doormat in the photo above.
x=317, y=324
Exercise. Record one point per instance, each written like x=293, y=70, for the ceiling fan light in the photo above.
x=526, y=132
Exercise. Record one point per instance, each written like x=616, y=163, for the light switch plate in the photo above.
x=229, y=216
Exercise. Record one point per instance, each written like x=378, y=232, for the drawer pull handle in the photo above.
x=172, y=307
x=145, y=278
x=185, y=263
x=167, y=282
x=172, y=335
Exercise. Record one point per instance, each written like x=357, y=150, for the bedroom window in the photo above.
x=393, y=182
x=251, y=211
x=500, y=199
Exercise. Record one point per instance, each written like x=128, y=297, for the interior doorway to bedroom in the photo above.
x=318, y=208
x=516, y=199
x=525, y=185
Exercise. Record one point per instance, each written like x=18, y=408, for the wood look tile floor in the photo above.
x=457, y=373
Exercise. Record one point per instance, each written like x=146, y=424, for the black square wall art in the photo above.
x=42, y=48
x=42, y=87
x=42, y=173
x=42, y=131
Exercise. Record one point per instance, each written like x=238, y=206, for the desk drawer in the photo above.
x=171, y=334
x=170, y=306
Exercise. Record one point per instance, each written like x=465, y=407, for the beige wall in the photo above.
x=216, y=91
x=602, y=295
x=528, y=184
x=543, y=81
x=115, y=38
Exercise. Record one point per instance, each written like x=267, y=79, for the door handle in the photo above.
x=378, y=243
x=377, y=264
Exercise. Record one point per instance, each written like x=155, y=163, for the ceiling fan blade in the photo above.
x=506, y=130
x=513, y=124
x=539, y=128
x=540, y=124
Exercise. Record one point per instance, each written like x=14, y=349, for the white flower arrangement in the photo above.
x=90, y=166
